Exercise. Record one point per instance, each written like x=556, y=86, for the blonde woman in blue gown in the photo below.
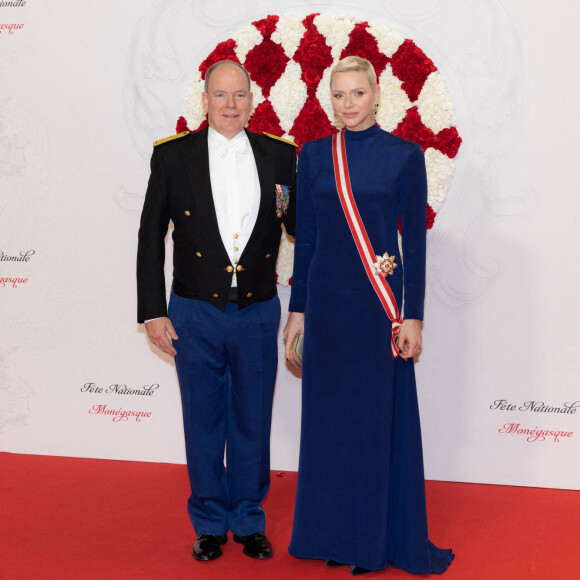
x=361, y=489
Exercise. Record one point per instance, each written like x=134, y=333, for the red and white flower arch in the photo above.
x=289, y=59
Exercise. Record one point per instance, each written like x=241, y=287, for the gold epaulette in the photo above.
x=279, y=138
x=170, y=138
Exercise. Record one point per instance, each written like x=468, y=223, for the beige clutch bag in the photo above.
x=296, y=351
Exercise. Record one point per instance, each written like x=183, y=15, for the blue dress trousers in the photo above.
x=226, y=364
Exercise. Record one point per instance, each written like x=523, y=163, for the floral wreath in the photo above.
x=289, y=59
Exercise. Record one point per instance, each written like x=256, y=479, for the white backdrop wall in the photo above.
x=85, y=89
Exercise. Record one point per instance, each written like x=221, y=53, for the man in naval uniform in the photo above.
x=227, y=192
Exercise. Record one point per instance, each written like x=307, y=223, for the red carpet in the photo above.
x=91, y=519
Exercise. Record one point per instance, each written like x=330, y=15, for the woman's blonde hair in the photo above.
x=356, y=63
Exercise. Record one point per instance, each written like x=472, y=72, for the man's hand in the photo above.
x=410, y=338
x=294, y=326
x=159, y=332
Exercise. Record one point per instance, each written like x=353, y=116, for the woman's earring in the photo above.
x=337, y=120
x=375, y=108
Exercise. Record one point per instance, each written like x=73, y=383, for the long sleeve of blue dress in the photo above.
x=413, y=208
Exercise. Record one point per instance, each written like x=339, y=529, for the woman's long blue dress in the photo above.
x=361, y=489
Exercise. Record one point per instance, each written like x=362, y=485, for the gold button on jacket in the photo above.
x=230, y=269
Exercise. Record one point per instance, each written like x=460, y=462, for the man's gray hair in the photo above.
x=222, y=63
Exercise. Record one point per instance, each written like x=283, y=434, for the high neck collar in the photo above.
x=364, y=134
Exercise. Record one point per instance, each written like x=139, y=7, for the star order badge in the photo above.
x=384, y=265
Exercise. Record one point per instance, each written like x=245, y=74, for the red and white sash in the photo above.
x=361, y=239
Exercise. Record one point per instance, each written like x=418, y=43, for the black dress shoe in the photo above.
x=207, y=547
x=357, y=570
x=256, y=545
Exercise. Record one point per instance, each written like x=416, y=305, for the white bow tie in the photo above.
x=236, y=145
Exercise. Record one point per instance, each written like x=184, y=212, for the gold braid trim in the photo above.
x=170, y=138
x=279, y=139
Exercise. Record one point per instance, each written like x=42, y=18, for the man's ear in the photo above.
x=204, y=100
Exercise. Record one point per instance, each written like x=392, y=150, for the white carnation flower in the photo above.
x=336, y=30
x=193, y=107
x=434, y=104
x=246, y=39
x=387, y=39
x=258, y=95
x=440, y=171
x=285, y=263
x=394, y=101
x=288, y=95
x=289, y=33
x=324, y=96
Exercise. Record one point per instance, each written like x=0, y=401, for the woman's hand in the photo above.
x=410, y=338
x=294, y=326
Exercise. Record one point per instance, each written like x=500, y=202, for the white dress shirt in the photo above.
x=236, y=190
